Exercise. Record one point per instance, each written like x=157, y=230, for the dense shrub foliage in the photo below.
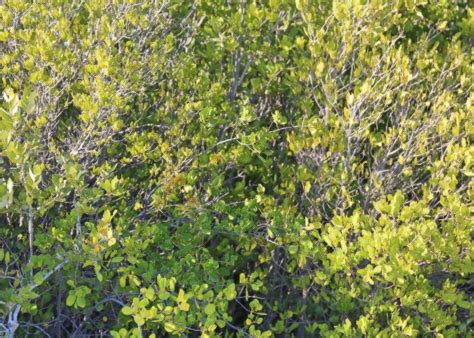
x=236, y=168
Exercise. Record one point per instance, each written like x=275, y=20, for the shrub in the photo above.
x=236, y=168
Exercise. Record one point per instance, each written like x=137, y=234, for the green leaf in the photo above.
x=6, y=121
x=464, y=304
x=117, y=259
x=210, y=309
x=150, y=294
x=139, y=320
x=38, y=278
x=27, y=101
x=230, y=292
x=127, y=310
x=81, y=302
x=170, y=327
x=278, y=118
x=71, y=300
x=397, y=202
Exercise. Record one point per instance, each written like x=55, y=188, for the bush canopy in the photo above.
x=236, y=168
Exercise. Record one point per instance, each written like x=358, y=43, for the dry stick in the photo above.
x=58, y=302
x=300, y=333
x=78, y=215
x=30, y=230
